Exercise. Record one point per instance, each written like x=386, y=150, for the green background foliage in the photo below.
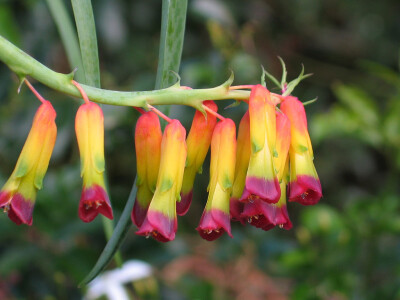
x=346, y=247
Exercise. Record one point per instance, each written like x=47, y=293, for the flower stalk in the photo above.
x=24, y=65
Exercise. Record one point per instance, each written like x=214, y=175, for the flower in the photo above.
x=304, y=185
x=148, y=137
x=89, y=128
x=242, y=162
x=198, y=142
x=261, y=181
x=268, y=215
x=160, y=221
x=216, y=219
x=19, y=193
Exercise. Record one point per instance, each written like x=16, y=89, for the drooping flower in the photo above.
x=89, y=128
x=242, y=162
x=304, y=186
x=148, y=137
x=216, y=219
x=19, y=193
x=261, y=179
x=160, y=221
x=268, y=215
x=198, y=142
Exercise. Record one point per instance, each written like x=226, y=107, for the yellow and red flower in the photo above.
x=304, y=185
x=216, y=219
x=242, y=163
x=89, y=128
x=148, y=137
x=160, y=221
x=261, y=180
x=198, y=142
x=268, y=215
x=19, y=193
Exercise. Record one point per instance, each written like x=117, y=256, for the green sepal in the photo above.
x=255, y=147
x=302, y=148
x=200, y=170
x=275, y=153
x=139, y=180
x=99, y=164
x=166, y=184
x=21, y=169
x=226, y=182
x=38, y=181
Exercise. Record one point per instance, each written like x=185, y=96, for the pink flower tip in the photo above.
x=182, y=206
x=260, y=188
x=305, y=190
x=213, y=224
x=138, y=213
x=19, y=209
x=94, y=200
x=159, y=226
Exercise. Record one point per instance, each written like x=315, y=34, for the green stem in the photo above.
x=24, y=65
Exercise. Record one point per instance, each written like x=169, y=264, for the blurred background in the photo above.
x=346, y=247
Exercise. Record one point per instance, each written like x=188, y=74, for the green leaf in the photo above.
x=68, y=36
x=87, y=40
x=171, y=43
x=359, y=102
x=116, y=240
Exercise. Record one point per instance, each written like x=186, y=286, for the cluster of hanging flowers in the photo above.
x=252, y=173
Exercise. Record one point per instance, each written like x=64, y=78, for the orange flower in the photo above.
x=198, y=142
x=261, y=180
x=304, y=186
x=160, y=221
x=215, y=219
x=148, y=152
x=89, y=128
x=19, y=193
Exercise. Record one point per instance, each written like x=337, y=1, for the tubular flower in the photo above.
x=261, y=180
x=148, y=151
x=215, y=219
x=160, y=221
x=19, y=193
x=268, y=215
x=198, y=142
x=304, y=185
x=89, y=128
x=242, y=163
